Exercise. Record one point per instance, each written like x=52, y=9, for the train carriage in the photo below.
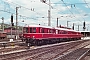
x=3, y=35
x=37, y=34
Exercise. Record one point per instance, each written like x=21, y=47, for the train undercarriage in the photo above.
x=48, y=41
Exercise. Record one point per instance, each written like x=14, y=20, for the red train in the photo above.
x=37, y=34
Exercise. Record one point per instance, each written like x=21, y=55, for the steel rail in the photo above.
x=83, y=55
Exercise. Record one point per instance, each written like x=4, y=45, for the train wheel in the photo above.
x=37, y=42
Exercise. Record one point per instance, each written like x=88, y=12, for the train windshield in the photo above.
x=29, y=29
x=25, y=30
x=34, y=30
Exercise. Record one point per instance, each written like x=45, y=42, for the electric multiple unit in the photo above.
x=37, y=34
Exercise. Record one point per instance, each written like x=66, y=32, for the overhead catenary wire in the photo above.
x=67, y=7
x=30, y=9
x=86, y=4
x=70, y=10
x=78, y=11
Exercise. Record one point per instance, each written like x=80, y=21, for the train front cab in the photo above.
x=27, y=34
x=38, y=35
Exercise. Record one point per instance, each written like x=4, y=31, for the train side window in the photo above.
x=42, y=30
x=30, y=30
x=59, y=31
x=45, y=30
x=27, y=30
x=34, y=30
x=51, y=31
x=64, y=32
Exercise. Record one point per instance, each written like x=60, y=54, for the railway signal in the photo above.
x=12, y=24
x=84, y=26
x=73, y=26
x=2, y=23
x=12, y=20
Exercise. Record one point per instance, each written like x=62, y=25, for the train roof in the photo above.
x=51, y=27
x=38, y=26
x=65, y=29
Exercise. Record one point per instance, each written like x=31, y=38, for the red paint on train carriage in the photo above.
x=42, y=33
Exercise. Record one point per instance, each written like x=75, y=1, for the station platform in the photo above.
x=85, y=38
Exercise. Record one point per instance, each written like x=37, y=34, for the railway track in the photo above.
x=1, y=40
x=75, y=55
x=86, y=56
x=8, y=43
x=46, y=53
x=51, y=55
x=11, y=46
x=11, y=49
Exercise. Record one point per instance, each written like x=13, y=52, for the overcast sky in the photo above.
x=36, y=12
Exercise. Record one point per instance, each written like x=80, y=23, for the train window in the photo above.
x=51, y=31
x=64, y=32
x=34, y=30
x=46, y=30
x=25, y=30
x=59, y=31
x=42, y=30
x=30, y=30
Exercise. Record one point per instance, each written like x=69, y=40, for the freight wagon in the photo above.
x=3, y=35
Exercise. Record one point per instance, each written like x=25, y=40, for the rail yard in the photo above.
x=73, y=50
x=45, y=43
x=45, y=30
